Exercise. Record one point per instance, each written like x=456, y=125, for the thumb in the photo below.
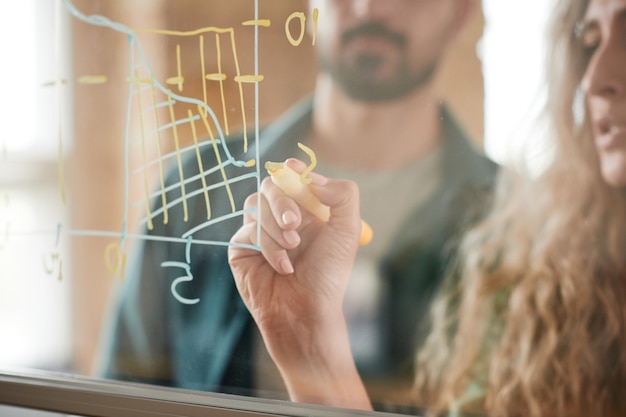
x=342, y=197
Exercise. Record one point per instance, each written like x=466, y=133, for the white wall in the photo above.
x=513, y=53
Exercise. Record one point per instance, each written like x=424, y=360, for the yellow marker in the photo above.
x=289, y=181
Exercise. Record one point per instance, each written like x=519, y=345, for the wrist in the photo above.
x=321, y=370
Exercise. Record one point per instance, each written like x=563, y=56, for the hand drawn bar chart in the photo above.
x=167, y=123
x=153, y=118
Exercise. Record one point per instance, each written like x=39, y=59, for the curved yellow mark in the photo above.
x=115, y=259
x=304, y=176
x=250, y=163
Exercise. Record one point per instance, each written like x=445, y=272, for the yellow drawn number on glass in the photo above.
x=315, y=17
x=49, y=263
x=302, y=18
x=115, y=259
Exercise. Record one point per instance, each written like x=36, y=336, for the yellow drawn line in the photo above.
x=223, y=96
x=178, y=156
x=200, y=166
x=146, y=186
x=215, y=77
x=316, y=13
x=195, y=32
x=178, y=79
x=203, y=68
x=159, y=156
x=249, y=78
x=259, y=22
x=219, y=160
x=179, y=68
x=243, y=108
x=93, y=79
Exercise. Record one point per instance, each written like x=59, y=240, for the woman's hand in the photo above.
x=294, y=287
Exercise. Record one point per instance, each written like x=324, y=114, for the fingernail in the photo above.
x=285, y=266
x=291, y=237
x=289, y=217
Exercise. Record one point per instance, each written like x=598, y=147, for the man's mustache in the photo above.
x=372, y=29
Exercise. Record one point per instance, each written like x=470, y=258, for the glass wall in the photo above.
x=103, y=99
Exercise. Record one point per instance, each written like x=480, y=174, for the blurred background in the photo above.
x=64, y=121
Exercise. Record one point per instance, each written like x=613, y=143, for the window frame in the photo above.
x=92, y=397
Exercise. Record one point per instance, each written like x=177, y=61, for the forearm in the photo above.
x=299, y=307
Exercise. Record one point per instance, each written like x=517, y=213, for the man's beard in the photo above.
x=357, y=75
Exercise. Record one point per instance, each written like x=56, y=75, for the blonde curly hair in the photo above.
x=535, y=310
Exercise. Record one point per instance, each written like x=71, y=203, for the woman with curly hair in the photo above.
x=537, y=325
x=532, y=321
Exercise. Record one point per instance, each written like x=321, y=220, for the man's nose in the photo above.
x=373, y=9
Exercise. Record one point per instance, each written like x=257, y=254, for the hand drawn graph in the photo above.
x=147, y=95
x=153, y=117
